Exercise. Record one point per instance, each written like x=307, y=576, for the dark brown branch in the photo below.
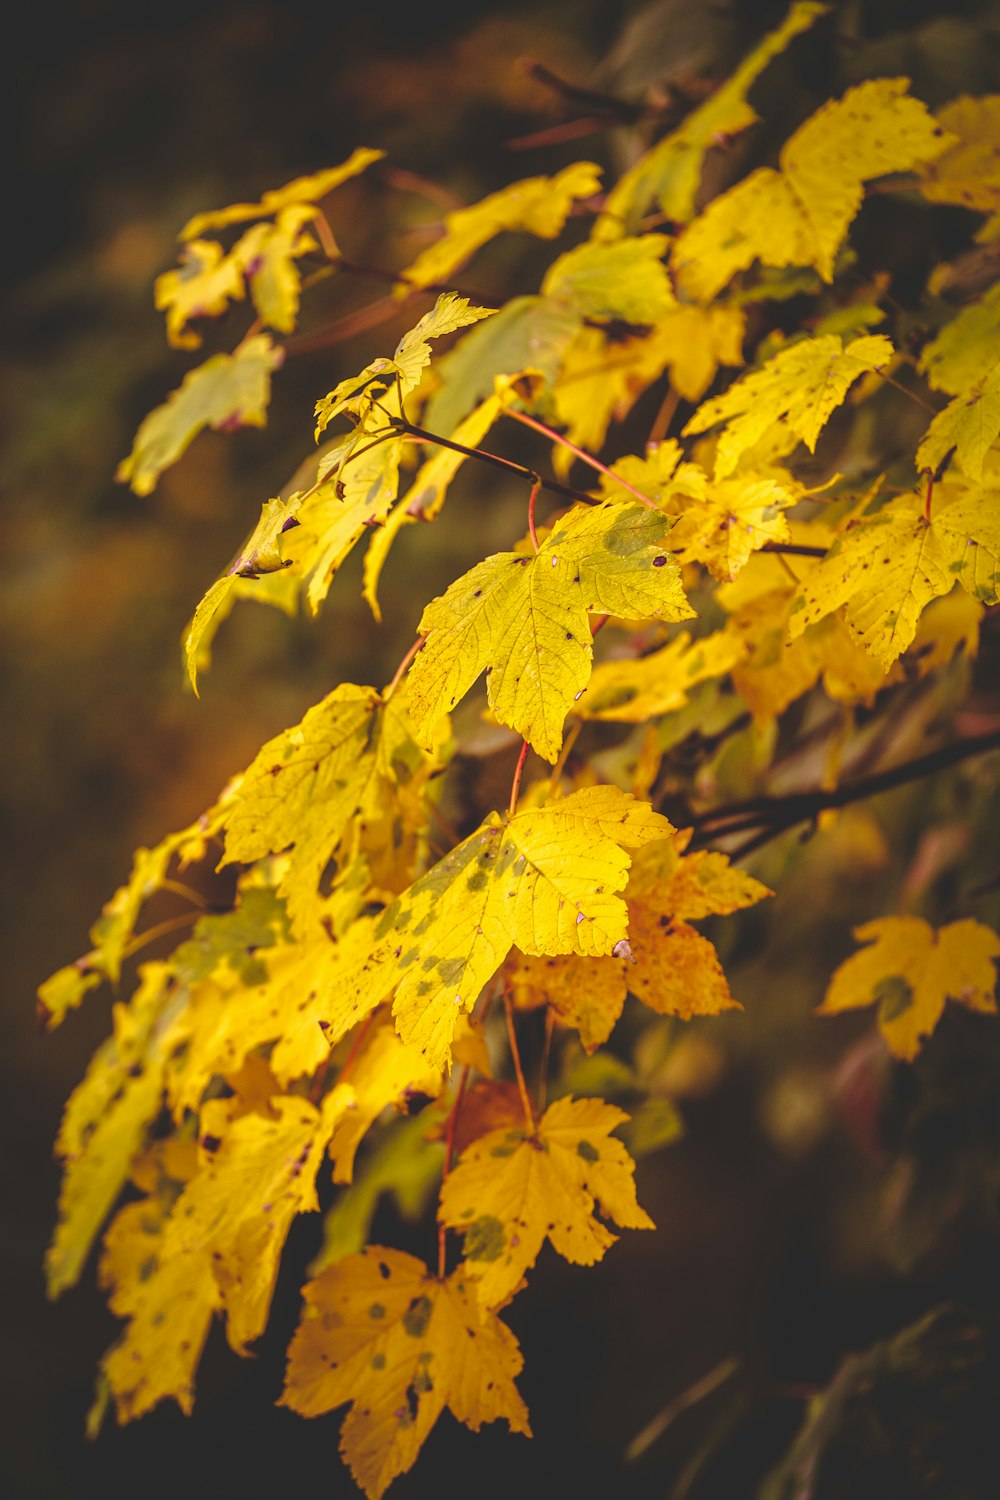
x=602, y=104
x=774, y=815
x=794, y=549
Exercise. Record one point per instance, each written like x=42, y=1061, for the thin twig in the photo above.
x=531, y=513
x=418, y=645
x=515, y=786
x=522, y=1087
x=580, y=453
x=552, y=485
x=449, y=1152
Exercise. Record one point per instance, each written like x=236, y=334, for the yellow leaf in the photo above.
x=631, y=692
x=911, y=971
x=722, y=522
x=677, y=971
x=202, y=287
x=536, y=205
x=267, y=253
x=262, y=553
x=626, y=280
x=384, y=1074
x=968, y=171
x=947, y=625
x=227, y=391
x=964, y=352
x=545, y=880
x=302, y=190
x=380, y=1331
x=413, y=352
x=799, y=215
x=514, y=1188
x=970, y=424
x=105, y=1124
x=67, y=988
x=799, y=386
x=256, y=1174
x=691, y=886
x=339, y=512
x=585, y=993
x=888, y=566
x=523, y=619
x=669, y=174
x=308, y=785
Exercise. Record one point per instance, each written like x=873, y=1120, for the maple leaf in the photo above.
x=631, y=692
x=227, y=391
x=527, y=333
x=964, y=352
x=970, y=424
x=888, y=566
x=722, y=522
x=301, y=190
x=799, y=215
x=799, y=386
x=911, y=971
x=306, y=786
x=523, y=619
x=515, y=1187
x=545, y=880
x=626, y=279
x=386, y=1072
x=202, y=287
x=104, y=1125
x=262, y=553
x=670, y=173
x=968, y=170
x=535, y=205
x=380, y=1331
x=267, y=254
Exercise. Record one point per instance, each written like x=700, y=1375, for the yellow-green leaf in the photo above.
x=970, y=424
x=799, y=386
x=203, y=286
x=524, y=619
x=301, y=190
x=626, y=280
x=227, y=391
x=536, y=205
x=887, y=567
x=631, y=692
x=911, y=971
x=799, y=215
x=968, y=171
x=380, y=1331
x=268, y=253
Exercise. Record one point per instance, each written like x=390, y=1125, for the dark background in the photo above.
x=123, y=120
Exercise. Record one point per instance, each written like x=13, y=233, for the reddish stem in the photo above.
x=522, y=1087
x=516, y=783
x=418, y=645
x=580, y=453
x=531, y=513
x=929, y=495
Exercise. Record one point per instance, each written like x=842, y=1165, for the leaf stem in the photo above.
x=170, y=924
x=580, y=453
x=664, y=417
x=543, y=1072
x=531, y=512
x=403, y=425
x=929, y=495
x=515, y=785
x=418, y=645
x=522, y=1087
x=449, y=1152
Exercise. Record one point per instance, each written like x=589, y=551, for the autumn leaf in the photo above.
x=202, y=287
x=303, y=190
x=670, y=173
x=888, y=566
x=799, y=215
x=626, y=280
x=970, y=425
x=964, y=352
x=632, y=692
x=523, y=619
x=380, y=1331
x=545, y=880
x=516, y=1187
x=227, y=391
x=536, y=205
x=267, y=254
x=967, y=172
x=799, y=386
x=911, y=971
x=104, y=1125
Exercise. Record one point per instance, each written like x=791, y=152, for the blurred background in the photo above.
x=820, y=1199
